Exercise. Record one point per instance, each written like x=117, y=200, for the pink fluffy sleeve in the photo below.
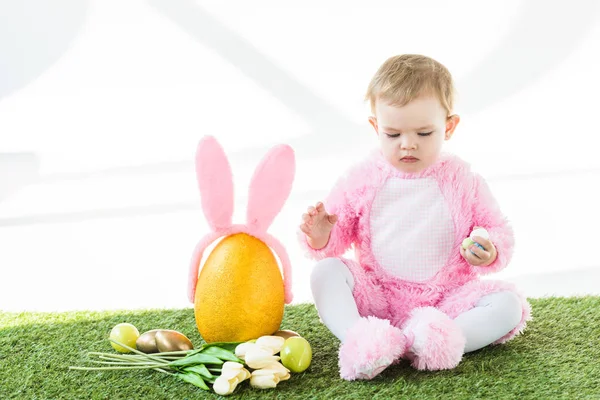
x=343, y=234
x=487, y=214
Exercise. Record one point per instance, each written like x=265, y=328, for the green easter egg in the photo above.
x=296, y=354
x=468, y=242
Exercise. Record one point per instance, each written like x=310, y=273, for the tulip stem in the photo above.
x=123, y=363
x=151, y=366
x=163, y=371
x=137, y=351
x=179, y=363
x=172, y=353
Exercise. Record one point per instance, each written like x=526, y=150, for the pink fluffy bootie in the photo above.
x=437, y=342
x=370, y=346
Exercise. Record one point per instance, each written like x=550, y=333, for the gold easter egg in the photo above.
x=239, y=294
x=146, y=343
x=163, y=340
x=169, y=340
x=286, y=333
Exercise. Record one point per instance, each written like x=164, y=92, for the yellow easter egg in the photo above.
x=239, y=294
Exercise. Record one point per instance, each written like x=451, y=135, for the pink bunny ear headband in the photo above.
x=269, y=189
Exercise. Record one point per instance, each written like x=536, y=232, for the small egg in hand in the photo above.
x=480, y=232
x=468, y=242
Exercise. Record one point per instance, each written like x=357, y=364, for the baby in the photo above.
x=411, y=291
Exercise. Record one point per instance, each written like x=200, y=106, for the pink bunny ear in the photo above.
x=215, y=182
x=195, y=262
x=270, y=187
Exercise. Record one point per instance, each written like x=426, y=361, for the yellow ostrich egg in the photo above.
x=240, y=292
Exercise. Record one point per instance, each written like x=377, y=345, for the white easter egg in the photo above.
x=480, y=232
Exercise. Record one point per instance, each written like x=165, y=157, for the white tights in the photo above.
x=331, y=283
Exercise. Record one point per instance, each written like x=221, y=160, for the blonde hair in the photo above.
x=403, y=78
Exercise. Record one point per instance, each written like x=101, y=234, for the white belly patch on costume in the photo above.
x=412, y=232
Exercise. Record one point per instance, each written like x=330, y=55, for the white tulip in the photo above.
x=223, y=386
x=278, y=369
x=264, y=379
x=274, y=343
x=232, y=373
x=257, y=357
x=232, y=370
x=242, y=349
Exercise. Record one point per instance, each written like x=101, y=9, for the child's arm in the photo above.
x=340, y=217
x=487, y=214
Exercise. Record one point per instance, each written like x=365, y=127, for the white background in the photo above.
x=102, y=104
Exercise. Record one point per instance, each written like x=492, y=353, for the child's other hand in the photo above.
x=317, y=225
x=482, y=257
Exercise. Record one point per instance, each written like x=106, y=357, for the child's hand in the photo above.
x=482, y=257
x=317, y=226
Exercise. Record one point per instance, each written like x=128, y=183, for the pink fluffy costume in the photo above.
x=409, y=280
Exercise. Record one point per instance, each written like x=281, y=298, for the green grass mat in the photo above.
x=557, y=357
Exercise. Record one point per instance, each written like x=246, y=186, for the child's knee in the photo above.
x=510, y=307
x=328, y=270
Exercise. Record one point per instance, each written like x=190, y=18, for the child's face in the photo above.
x=412, y=136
